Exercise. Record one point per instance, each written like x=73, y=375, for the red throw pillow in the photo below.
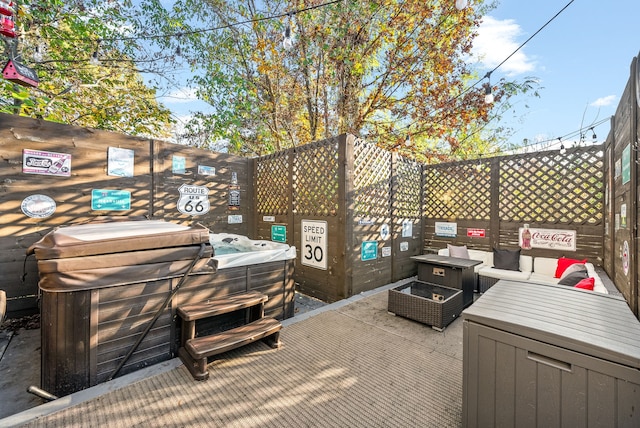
x=586, y=284
x=564, y=263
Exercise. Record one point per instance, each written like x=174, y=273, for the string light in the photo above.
x=488, y=95
x=94, y=57
x=287, y=41
x=562, y=148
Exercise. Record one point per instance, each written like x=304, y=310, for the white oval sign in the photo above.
x=38, y=206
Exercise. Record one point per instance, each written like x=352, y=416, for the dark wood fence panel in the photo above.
x=226, y=178
x=406, y=216
x=371, y=202
x=318, y=183
x=71, y=194
x=83, y=194
x=491, y=199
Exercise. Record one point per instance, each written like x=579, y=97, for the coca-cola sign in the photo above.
x=551, y=239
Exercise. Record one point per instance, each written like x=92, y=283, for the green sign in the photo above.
x=626, y=164
x=110, y=200
x=369, y=250
x=279, y=233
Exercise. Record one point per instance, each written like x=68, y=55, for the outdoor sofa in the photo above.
x=511, y=265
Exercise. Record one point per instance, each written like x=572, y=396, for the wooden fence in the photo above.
x=92, y=182
x=621, y=214
x=355, y=213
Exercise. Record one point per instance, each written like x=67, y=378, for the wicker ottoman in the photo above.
x=427, y=303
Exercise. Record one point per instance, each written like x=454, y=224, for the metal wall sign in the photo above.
x=38, y=206
x=551, y=239
x=110, y=200
x=279, y=233
x=194, y=200
x=446, y=229
x=369, y=250
x=314, y=244
x=46, y=163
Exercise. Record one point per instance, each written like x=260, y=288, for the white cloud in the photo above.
x=604, y=101
x=497, y=40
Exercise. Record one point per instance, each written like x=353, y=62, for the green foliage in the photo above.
x=110, y=96
x=380, y=70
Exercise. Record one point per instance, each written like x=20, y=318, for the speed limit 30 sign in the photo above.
x=314, y=244
x=194, y=200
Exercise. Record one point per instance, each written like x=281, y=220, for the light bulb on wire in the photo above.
x=488, y=95
x=287, y=42
x=94, y=60
x=563, y=150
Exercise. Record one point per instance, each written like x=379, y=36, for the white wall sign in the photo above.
x=386, y=251
x=385, y=232
x=194, y=200
x=234, y=219
x=552, y=239
x=269, y=218
x=404, y=246
x=446, y=229
x=407, y=228
x=38, y=206
x=314, y=244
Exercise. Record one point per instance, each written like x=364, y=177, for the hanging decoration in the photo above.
x=13, y=70
x=7, y=25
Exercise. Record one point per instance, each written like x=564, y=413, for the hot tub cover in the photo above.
x=116, y=237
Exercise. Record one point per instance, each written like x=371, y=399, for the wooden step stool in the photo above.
x=194, y=351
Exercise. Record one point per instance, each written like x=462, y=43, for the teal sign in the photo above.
x=626, y=164
x=110, y=200
x=369, y=250
x=279, y=233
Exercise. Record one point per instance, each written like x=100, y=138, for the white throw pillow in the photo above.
x=459, y=252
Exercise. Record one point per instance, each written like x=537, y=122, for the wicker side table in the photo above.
x=427, y=303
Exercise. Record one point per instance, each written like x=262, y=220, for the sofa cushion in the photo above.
x=515, y=275
x=576, y=267
x=573, y=278
x=460, y=252
x=506, y=259
x=545, y=266
x=586, y=284
x=564, y=263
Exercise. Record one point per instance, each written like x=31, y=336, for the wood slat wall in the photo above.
x=153, y=188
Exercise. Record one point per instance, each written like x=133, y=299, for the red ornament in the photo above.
x=6, y=7
x=7, y=27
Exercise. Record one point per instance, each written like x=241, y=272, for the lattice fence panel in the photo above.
x=550, y=187
x=272, y=184
x=372, y=180
x=458, y=190
x=407, y=189
x=315, y=177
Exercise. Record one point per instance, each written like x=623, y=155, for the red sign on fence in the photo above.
x=475, y=233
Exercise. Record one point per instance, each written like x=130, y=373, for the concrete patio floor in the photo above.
x=350, y=363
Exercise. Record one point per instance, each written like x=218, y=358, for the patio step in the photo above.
x=195, y=350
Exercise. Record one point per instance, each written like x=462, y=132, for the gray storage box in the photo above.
x=548, y=356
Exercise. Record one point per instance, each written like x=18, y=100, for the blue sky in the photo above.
x=582, y=60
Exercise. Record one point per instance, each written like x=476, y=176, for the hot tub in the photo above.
x=237, y=250
x=101, y=285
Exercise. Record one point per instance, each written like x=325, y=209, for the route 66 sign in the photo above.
x=194, y=200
